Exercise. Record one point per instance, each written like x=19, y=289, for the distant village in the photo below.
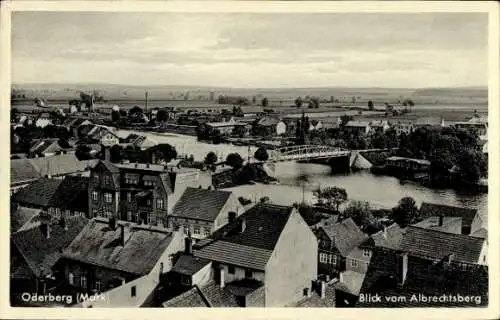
x=104, y=215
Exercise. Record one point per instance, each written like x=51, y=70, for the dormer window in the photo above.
x=366, y=253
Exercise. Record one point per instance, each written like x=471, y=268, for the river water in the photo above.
x=379, y=191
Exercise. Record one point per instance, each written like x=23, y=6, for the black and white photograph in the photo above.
x=239, y=159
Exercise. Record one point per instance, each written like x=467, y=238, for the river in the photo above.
x=379, y=191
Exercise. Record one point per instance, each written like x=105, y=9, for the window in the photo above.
x=159, y=221
x=83, y=282
x=133, y=291
x=323, y=258
x=230, y=269
x=107, y=180
x=207, y=232
x=148, y=202
x=366, y=253
x=71, y=278
x=159, y=204
x=151, y=219
x=149, y=183
x=67, y=213
x=185, y=280
x=129, y=197
x=196, y=230
x=186, y=229
x=333, y=259
x=131, y=179
x=248, y=273
x=354, y=263
x=129, y=215
x=95, y=195
x=96, y=178
x=137, y=217
x=98, y=285
x=108, y=197
x=58, y=213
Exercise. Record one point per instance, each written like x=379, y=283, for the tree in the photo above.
x=115, y=116
x=370, y=105
x=82, y=152
x=332, y=197
x=167, y=152
x=63, y=143
x=298, y=102
x=116, y=153
x=360, y=213
x=162, y=115
x=315, y=103
x=261, y=154
x=265, y=102
x=234, y=160
x=406, y=212
x=472, y=166
x=210, y=158
x=135, y=109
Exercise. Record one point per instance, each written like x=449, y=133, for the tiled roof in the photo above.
x=345, y=234
x=189, y=265
x=351, y=282
x=389, y=238
x=253, y=247
x=21, y=216
x=481, y=233
x=424, y=277
x=97, y=244
x=189, y=299
x=315, y=301
x=433, y=209
x=200, y=204
x=218, y=297
x=450, y=224
x=140, y=166
x=61, y=164
x=22, y=170
x=437, y=245
x=41, y=253
x=39, y=193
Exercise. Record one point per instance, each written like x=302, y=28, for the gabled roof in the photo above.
x=41, y=253
x=39, y=193
x=449, y=224
x=346, y=235
x=201, y=204
x=189, y=265
x=437, y=245
x=61, y=164
x=99, y=245
x=389, y=238
x=423, y=277
x=253, y=247
x=22, y=170
x=22, y=216
x=193, y=298
x=433, y=209
x=268, y=121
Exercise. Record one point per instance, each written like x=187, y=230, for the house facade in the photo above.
x=357, y=127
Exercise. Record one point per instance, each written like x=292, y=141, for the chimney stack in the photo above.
x=188, y=245
x=112, y=223
x=222, y=280
x=441, y=219
x=45, y=228
x=243, y=224
x=124, y=234
x=63, y=224
x=385, y=232
x=449, y=258
x=402, y=268
x=322, y=289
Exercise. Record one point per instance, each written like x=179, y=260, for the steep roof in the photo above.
x=424, y=277
x=39, y=193
x=200, y=204
x=346, y=235
x=389, y=238
x=218, y=297
x=20, y=217
x=192, y=298
x=437, y=245
x=41, y=253
x=189, y=265
x=99, y=245
x=251, y=247
x=449, y=224
x=433, y=209
x=22, y=170
x=61, y=164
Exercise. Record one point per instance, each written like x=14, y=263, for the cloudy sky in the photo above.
x=251, y=50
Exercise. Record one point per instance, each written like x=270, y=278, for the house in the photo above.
x=360, y=128
x=137, y=192
x=407, y=164
x=315, y=125
x=429, y=122
x=104, y=135
x=34, y=252
x=379, y=126
x=471, y=219
x=441, y=223
x=396, y=279
x=48, y=147
x=144, y=142
x=107, y=254
x=269, y=126
x=335, y=242
x=43, y=119
x=480, y=128
x=248, y=258
x=437, y=245
x=202, y=211
x=402, y=127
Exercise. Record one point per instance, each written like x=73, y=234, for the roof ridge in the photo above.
x=449, y=234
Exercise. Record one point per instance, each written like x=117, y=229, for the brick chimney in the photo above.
x=188, y=245
x=449, y=258
x=124, y=234
x=402, y=268
x=222, y=279
x=322, y=289
x=243, y=224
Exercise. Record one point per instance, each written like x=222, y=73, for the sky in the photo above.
x=251, y=50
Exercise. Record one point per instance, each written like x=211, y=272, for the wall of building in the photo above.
x=203, y=276
x=293, y=264
x=232, y=205
x=360, y=266
x=239, y=274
